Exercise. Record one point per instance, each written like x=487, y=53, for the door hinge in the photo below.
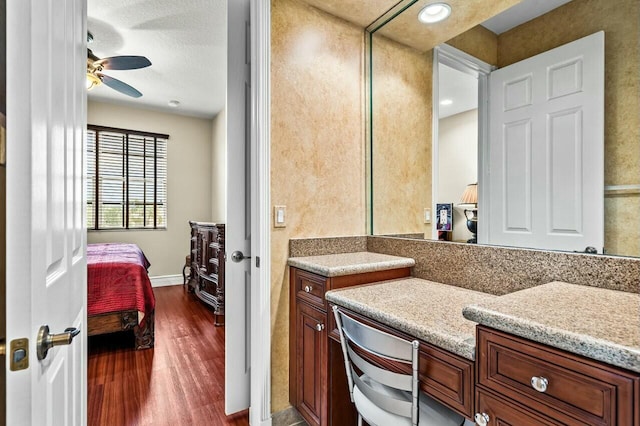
x=257, y=261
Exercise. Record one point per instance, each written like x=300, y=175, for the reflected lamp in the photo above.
x=470, y=199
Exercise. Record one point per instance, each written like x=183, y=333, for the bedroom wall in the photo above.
x=219, y=172
x=189, y=189
x=458, y=159
x=317, y=147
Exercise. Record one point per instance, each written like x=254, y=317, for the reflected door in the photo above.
x=546, y=148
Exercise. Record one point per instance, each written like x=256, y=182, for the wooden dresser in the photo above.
x=206, y=279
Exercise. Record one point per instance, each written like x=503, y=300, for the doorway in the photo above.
x=460, y=111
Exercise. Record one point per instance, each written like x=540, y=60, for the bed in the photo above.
x=119, y=294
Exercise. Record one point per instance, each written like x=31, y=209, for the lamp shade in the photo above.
x=470, y=194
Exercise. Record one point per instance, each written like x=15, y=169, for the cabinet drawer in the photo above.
x=500, y=411
x=578, y=390
x=310, y=287
x=447, y=378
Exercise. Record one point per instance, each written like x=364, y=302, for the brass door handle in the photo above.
x=46, y=340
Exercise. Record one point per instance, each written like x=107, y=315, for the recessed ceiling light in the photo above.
x=174, y=103
x=434, y=12
x=446, y=102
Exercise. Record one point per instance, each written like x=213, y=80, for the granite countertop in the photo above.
x=334, y=265
x=424, y=309
x=598, y=323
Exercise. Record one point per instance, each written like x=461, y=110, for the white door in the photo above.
x=238, y=222
x=546, y=183
x=46, y=236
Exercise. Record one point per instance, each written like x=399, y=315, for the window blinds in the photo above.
x=126, y=179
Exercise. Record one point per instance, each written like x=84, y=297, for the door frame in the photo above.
x=260, y=398
x=461, y=61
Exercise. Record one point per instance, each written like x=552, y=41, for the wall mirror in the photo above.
x=422, y=158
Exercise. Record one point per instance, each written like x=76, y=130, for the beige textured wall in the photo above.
x=620, y=21
x=478, y=42
x=458, y=164
x=317, y=147
x=402, y=137
x=189, y=174
x=219, y=172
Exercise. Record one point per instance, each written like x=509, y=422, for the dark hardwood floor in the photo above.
x=179, y=382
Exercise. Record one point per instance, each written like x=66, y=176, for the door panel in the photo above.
x=546, y=178
x=565, y=165
x=46, y=238
x=238, y=230
x=517, y=185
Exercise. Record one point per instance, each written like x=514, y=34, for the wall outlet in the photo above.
x=427, y=215
x=279, y=216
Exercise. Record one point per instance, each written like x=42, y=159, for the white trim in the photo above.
x=621, y=187
x=435, y=120
x=453, y=57
x=166, y=280
x=468, y=64
x=260, y=410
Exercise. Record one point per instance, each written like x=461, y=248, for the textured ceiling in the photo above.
x=496, y=15
x=360, y=12
x=465, y=14
x=185, y=41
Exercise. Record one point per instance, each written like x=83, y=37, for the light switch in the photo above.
x=279, y=216
x=427, y=215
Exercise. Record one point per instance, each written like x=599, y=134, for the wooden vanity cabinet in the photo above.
x=317, y=379
x=446, y=377
x=555, y=386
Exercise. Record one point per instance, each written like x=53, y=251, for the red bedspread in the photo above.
x=117, y=279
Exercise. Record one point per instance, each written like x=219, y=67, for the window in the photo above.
x=126, y=179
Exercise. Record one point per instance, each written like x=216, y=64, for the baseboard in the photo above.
x=165, y=280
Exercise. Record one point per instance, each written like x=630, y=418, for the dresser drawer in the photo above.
x=310, y=287
x=569, y=388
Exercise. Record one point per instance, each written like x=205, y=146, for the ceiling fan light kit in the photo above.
x=95, y=66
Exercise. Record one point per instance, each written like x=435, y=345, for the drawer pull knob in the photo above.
x=539, y=383
x=482, y=419
x=319, y=327
x=308, y=288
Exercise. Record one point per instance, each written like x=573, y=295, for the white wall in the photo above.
x=189, y=172
x=219, y=172
x=458, y=164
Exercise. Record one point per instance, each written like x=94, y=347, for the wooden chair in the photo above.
x=383, y=397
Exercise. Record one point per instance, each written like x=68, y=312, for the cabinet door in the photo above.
x=311, y=341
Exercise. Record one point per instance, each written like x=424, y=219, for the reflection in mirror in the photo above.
x=401, y=95
x=455, y=133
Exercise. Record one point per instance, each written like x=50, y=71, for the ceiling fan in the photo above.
x=95, y=66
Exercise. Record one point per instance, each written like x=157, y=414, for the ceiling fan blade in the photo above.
x=123, y=62
x=120, y=86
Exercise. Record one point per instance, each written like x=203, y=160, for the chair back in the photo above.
x=354, y=333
